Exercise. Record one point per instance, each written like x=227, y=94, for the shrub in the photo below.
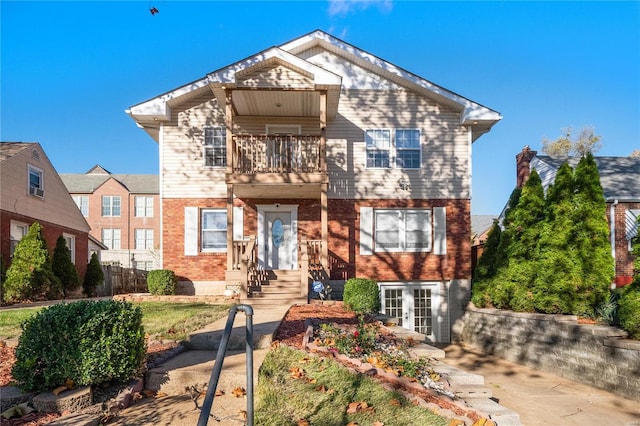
x=88, y=342
x=93, y=277
x=30, y=275
x=162, y=282
x=63, y=267
x=629, y=309
x=361, y=295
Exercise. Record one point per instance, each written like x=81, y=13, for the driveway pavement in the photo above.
x=541, y=398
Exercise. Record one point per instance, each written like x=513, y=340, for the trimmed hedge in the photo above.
x=361, y=295
x=88, y=342
x=162, y=282
x=629, y=309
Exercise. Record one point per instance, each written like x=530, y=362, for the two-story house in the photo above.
x=317, y=161
x=620, y=181
x=31, y=191
x=123, y=211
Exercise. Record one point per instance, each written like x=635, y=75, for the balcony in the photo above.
x=269, y=166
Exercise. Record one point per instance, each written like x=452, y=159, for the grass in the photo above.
x=163, y=320
x=295, y=388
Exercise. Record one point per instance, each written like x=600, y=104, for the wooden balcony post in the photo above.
x=323, y=131
x=304, y=269
x=228, y=121
x=324, y=223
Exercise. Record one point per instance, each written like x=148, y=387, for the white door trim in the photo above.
x=265, y=208
x=408, y=303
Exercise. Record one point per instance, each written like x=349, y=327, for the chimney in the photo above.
x=523, y=160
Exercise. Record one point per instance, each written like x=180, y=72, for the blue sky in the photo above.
x=70, y=69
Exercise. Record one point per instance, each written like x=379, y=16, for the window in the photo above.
x=82, y=201
x=215, y=146
x=408, y=148
x=111, y=238
x=378, y=143
x=110, y=205
x=145, y=265
x=402, y=230
x=36, y=182
x=71, y=245
x=631, y=225
x=144, y=238
x=214, y=230
x=144, y=206
x=403, y=151
x=18, y=231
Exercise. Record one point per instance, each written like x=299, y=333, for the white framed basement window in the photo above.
x=402, y=230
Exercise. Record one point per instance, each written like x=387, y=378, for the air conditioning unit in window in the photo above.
x=38, y=192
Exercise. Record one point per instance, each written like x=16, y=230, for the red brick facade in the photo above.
x=624, y=259
x=51, y=232
x=343, y=244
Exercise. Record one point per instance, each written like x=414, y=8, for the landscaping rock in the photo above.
x=73, y=400
x=11, y=395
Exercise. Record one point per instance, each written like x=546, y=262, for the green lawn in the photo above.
x=295, y=388
x=163, y=320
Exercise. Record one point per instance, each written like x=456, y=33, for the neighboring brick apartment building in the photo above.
x=32, y=191
x=620, y=181
x=317, y=161
x=123, y=211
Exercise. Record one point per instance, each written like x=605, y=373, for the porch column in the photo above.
x=228, y=121
x=324, y=224
x=229, y=227
x=323, y=131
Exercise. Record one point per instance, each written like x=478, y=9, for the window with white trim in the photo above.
x=407, y=146
x=378, y=142
x=631, y=225
x=111, y=238
x=215, y=146
x=110, y=205
x=400, y=148
x=36, y=181
x=402, y=230
x=82, y=201
x=17, y=232
x=143, y=206
x=71, y=245
x=213, y=228
x=144, y=238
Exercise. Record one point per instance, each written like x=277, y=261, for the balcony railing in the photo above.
x=254, y=154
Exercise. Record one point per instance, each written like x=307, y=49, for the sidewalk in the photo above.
x=542, y=398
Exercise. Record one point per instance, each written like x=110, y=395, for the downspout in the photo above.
x=612, y=225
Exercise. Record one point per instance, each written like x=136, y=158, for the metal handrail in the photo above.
x=217, y=367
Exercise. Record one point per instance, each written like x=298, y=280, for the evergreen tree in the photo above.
x=629, y=302
x=515, y=281
x=558, y=269
x=63, y=267
x=486, y=267
x=30, y=275
x=591, y=238
x=93, y=277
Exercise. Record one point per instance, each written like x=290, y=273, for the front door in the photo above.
x=277, y=240
x=413, y=306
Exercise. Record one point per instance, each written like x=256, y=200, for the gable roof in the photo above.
x=149, y=114
x=9, y=149
x=88, y=182
x=619, y=176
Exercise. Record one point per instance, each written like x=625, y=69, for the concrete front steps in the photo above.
x=471, y=389
x=278, y=287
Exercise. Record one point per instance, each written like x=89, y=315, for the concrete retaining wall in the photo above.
x=599, y=356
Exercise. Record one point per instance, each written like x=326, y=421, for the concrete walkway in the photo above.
x=542, y=398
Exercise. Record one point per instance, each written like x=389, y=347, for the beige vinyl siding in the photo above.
x=56, y=206
x=184, y=174
x=444, y=171
x=276, y=76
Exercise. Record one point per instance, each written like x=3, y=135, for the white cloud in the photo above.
x=344, y=7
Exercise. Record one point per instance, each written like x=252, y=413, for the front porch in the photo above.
x=258, y=285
